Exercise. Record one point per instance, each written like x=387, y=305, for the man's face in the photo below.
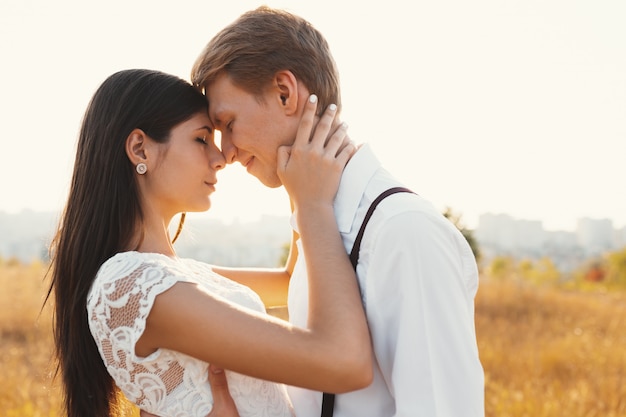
x=251, y=130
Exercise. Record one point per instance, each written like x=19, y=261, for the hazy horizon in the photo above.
x=258, y=218
x=485, y=107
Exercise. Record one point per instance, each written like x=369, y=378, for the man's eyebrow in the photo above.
x=216, y=121
x=214, y=114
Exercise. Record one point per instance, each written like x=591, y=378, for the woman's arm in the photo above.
x=270, y=283
x=334, y=353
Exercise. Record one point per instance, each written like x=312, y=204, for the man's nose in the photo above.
x=228, y=149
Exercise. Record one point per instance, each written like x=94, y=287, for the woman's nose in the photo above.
x=217, y=160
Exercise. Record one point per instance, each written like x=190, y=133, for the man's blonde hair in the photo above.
x=261, y=42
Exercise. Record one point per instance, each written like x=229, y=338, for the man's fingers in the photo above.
x=217, y=379
x=223, y=404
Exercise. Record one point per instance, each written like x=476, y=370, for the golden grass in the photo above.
x=25, y=345
x=552, y=352
x=547, y=352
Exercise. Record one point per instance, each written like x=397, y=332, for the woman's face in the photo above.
x=186, y=172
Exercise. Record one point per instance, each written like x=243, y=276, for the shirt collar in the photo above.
x=356, y=175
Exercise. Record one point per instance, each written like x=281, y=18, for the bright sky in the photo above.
x=498, y=106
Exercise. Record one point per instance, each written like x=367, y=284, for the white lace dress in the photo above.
x=167, y=383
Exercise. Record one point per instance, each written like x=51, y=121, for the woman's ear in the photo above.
x=286, y=90
x=136, y=147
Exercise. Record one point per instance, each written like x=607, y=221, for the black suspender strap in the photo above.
x=328, y=400
x=354, y=254
x=328, y=404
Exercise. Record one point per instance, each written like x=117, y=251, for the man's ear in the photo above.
x=286, y=86
x=136, y=146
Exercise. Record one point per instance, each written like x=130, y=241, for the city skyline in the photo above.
x=253, y=217
x=486, y=106
x=26, y=236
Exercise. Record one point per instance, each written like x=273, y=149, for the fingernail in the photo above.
x=344, y=125
x=332, y=107
x=312, y=98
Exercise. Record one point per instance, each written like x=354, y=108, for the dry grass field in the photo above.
x=550, y=352
x=25, y=344
x=547, y=352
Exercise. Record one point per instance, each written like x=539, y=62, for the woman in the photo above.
x=131, y=315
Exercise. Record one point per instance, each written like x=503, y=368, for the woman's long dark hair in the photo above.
x=101, y=217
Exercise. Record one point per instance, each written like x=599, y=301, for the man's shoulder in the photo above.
x=402, y=213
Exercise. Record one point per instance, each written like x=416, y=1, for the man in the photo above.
x=417, y=273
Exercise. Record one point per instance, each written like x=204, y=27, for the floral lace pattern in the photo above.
x=167, y=383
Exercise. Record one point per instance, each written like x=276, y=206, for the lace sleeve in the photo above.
x=118, y=305
x=167, y=383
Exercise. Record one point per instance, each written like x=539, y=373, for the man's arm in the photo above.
x=419, y=295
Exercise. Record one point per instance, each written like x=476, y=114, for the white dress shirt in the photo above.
x=418, y=279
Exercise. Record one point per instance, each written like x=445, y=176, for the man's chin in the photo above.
x=270, y=182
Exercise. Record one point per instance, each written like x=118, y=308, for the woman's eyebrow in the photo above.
x=205, y=127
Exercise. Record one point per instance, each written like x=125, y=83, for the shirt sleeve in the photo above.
x=419, y=296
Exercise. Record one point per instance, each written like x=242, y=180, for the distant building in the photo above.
x=26, y=235
x=596, y=236
x=509, y=234
x=263, y=243
x=620, y=237
x=503, y=235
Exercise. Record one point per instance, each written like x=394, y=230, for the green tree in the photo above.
x=467, y=233
x=501, y=268
x=526, y=270
x=616, y=268
x=540, y=272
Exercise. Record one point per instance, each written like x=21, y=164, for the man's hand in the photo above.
x=223, y=404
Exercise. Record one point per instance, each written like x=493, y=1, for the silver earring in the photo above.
x=141, y=168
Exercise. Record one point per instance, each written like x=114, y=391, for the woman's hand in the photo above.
x=223, y=404
x=311, y=168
